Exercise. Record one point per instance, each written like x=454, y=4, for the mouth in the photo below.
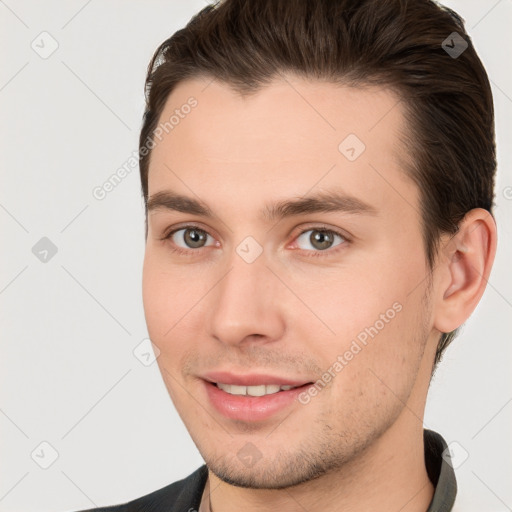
x=252, y=401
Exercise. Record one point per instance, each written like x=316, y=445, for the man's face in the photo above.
x=292, y=299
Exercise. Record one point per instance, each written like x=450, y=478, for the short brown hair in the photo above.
x=396, y=44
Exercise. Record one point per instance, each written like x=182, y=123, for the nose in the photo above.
x=248, y=305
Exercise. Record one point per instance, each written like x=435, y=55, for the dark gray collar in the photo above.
x=440, y=472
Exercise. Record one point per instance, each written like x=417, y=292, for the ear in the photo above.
x=464, y=266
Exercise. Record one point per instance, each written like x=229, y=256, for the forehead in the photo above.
x=290, y=136
x=287, y=114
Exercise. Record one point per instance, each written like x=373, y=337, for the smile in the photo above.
x=261, y=390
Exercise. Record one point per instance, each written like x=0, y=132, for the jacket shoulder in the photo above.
x=181, y=495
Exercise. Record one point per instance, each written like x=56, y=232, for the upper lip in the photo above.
x=253, y=379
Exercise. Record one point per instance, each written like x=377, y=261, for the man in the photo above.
x=318, y=178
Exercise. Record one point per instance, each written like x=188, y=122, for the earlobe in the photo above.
x=466, y=266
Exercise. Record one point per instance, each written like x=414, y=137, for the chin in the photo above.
x=271, y=480
x=281, y=472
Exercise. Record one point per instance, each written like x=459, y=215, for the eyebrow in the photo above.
x=321, y=202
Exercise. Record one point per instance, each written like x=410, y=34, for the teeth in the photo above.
x=238, y=390
x=262, y=390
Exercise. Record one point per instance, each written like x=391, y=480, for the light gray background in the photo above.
x=69, y=326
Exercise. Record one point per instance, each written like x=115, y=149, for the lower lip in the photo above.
x=251, y=408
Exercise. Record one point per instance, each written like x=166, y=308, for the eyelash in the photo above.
x=313, y=254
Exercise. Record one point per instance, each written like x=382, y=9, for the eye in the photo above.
x=320, y=239
x=189, y=237
x=186, y=240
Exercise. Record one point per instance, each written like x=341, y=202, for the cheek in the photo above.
x=390, y=360
x=161, y=298
x=165, y=309
x=377, y=332
x=165, y=293
x=173, y=310
x=350, y=303
x=152, y=288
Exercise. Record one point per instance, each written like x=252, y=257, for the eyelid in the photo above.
x=190, y=225
x=319, y=226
